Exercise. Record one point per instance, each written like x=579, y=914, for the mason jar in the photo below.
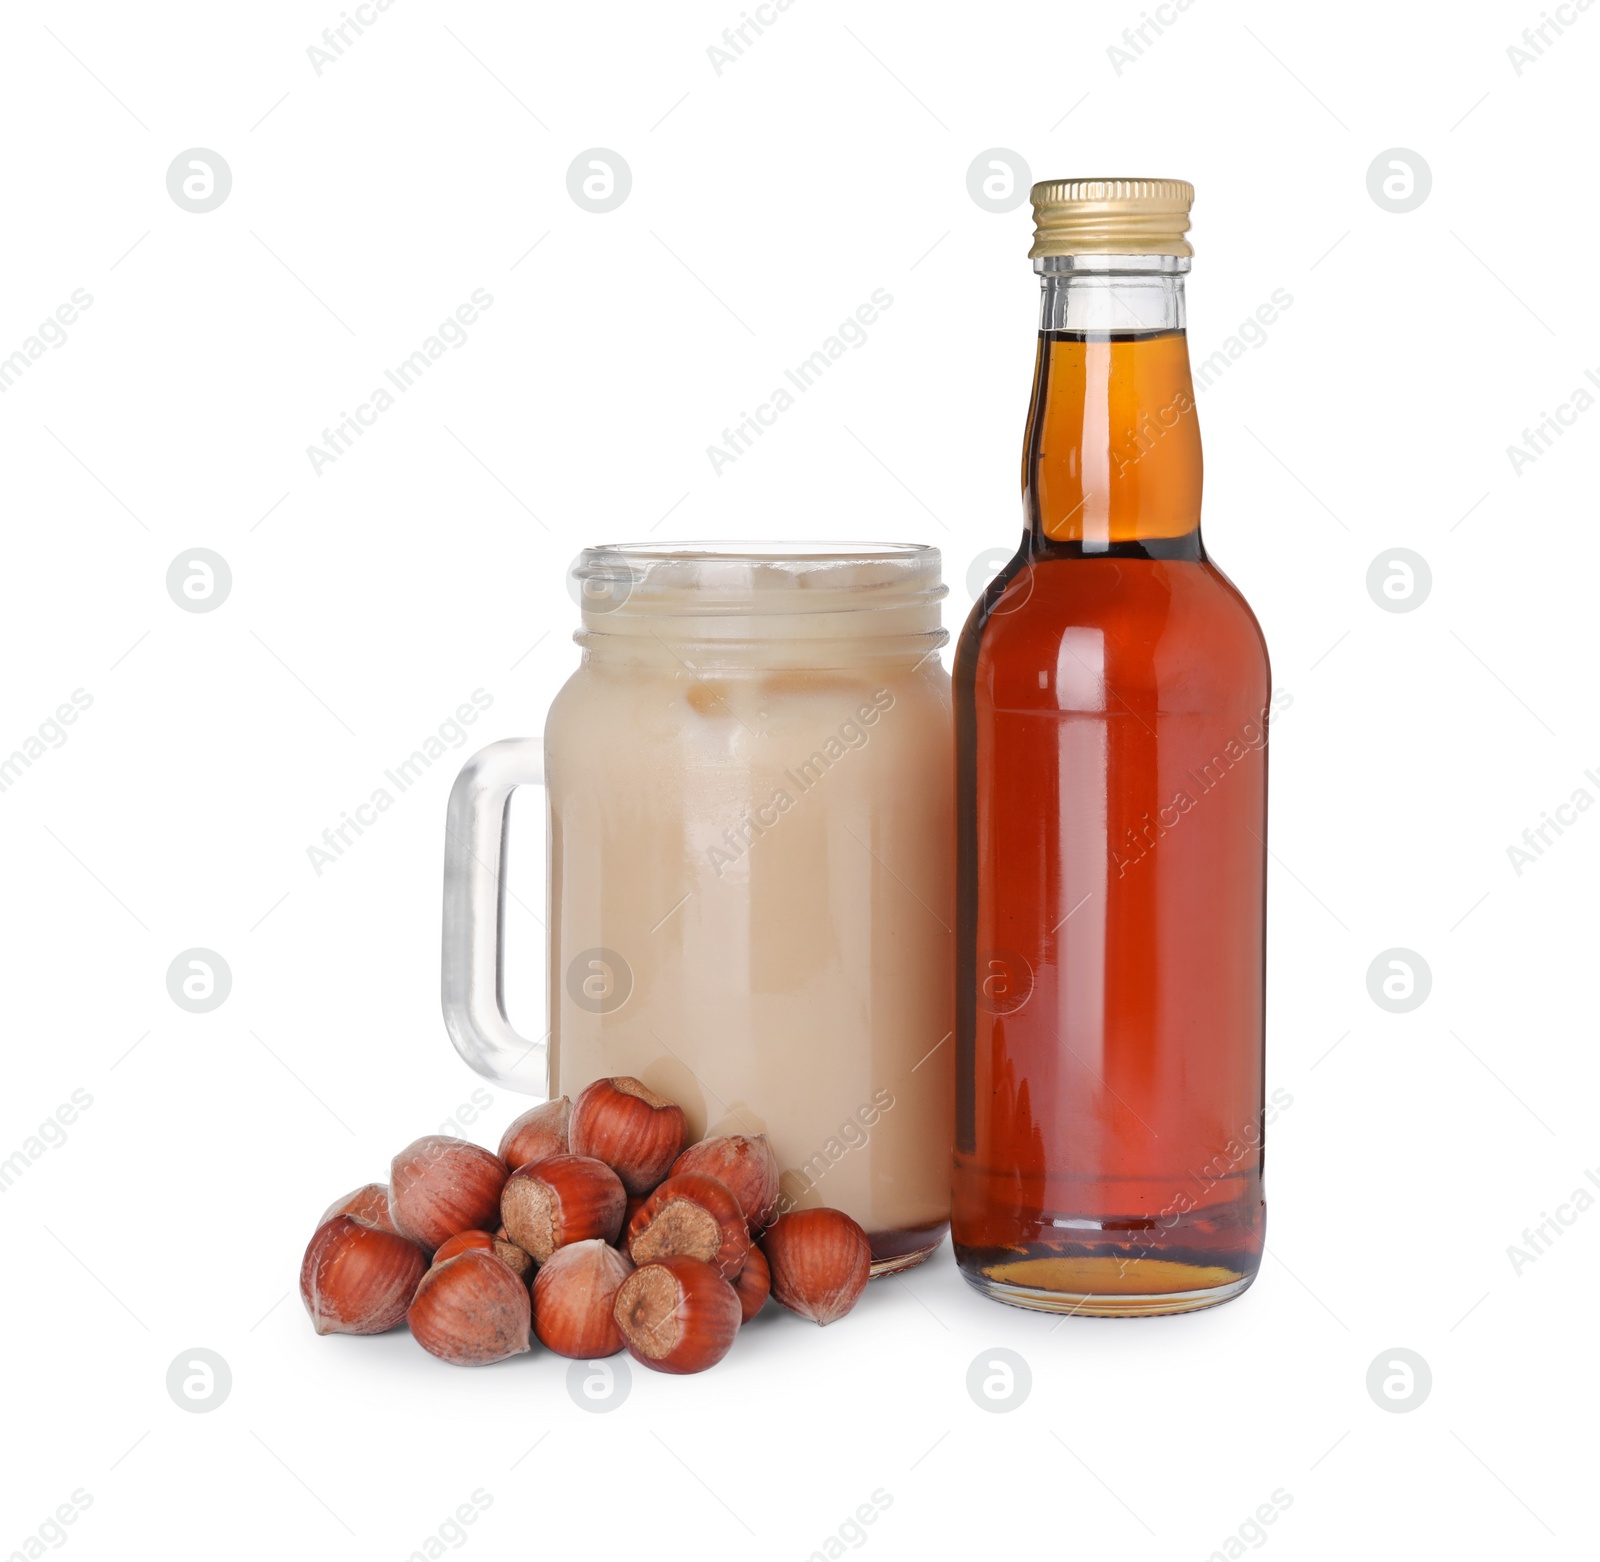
x=750, y=877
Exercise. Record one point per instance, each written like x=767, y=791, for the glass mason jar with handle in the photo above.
x=750, y=877
x=1111, y=692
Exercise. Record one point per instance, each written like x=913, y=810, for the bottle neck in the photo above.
x=1112, y=457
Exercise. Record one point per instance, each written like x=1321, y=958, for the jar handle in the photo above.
x=472, y=976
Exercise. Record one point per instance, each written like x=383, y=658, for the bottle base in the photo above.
x=1088, y=1287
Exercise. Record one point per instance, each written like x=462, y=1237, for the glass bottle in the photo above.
x=1111, y=696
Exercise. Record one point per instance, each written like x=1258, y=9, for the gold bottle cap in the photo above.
x=1111, y=217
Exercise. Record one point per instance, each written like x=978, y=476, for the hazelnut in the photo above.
x=820, y=1259
x=540, y=1131
x=636, y=1202
x=628, y=1126
x=480, y=1241
x=573, y=1295
x=753, y=1284
x=561, y=1199
x=746, y=1165
x=439, y=1186
x=471, y=1310
x=369, y=1203
x=677, y=1315
x=358, y=1278
x=517, y=1259
x=695, y=1216
x=509, y=1254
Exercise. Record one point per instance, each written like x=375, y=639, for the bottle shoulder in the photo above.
x=1056, y=634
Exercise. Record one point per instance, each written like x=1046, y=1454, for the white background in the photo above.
x=367, y=602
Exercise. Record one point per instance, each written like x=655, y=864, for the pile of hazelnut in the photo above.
x=593, y=1228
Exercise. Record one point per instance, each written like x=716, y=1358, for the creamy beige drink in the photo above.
x=750, y=872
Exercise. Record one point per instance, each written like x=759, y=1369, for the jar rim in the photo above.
x=754, y=578
x=758, y=548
